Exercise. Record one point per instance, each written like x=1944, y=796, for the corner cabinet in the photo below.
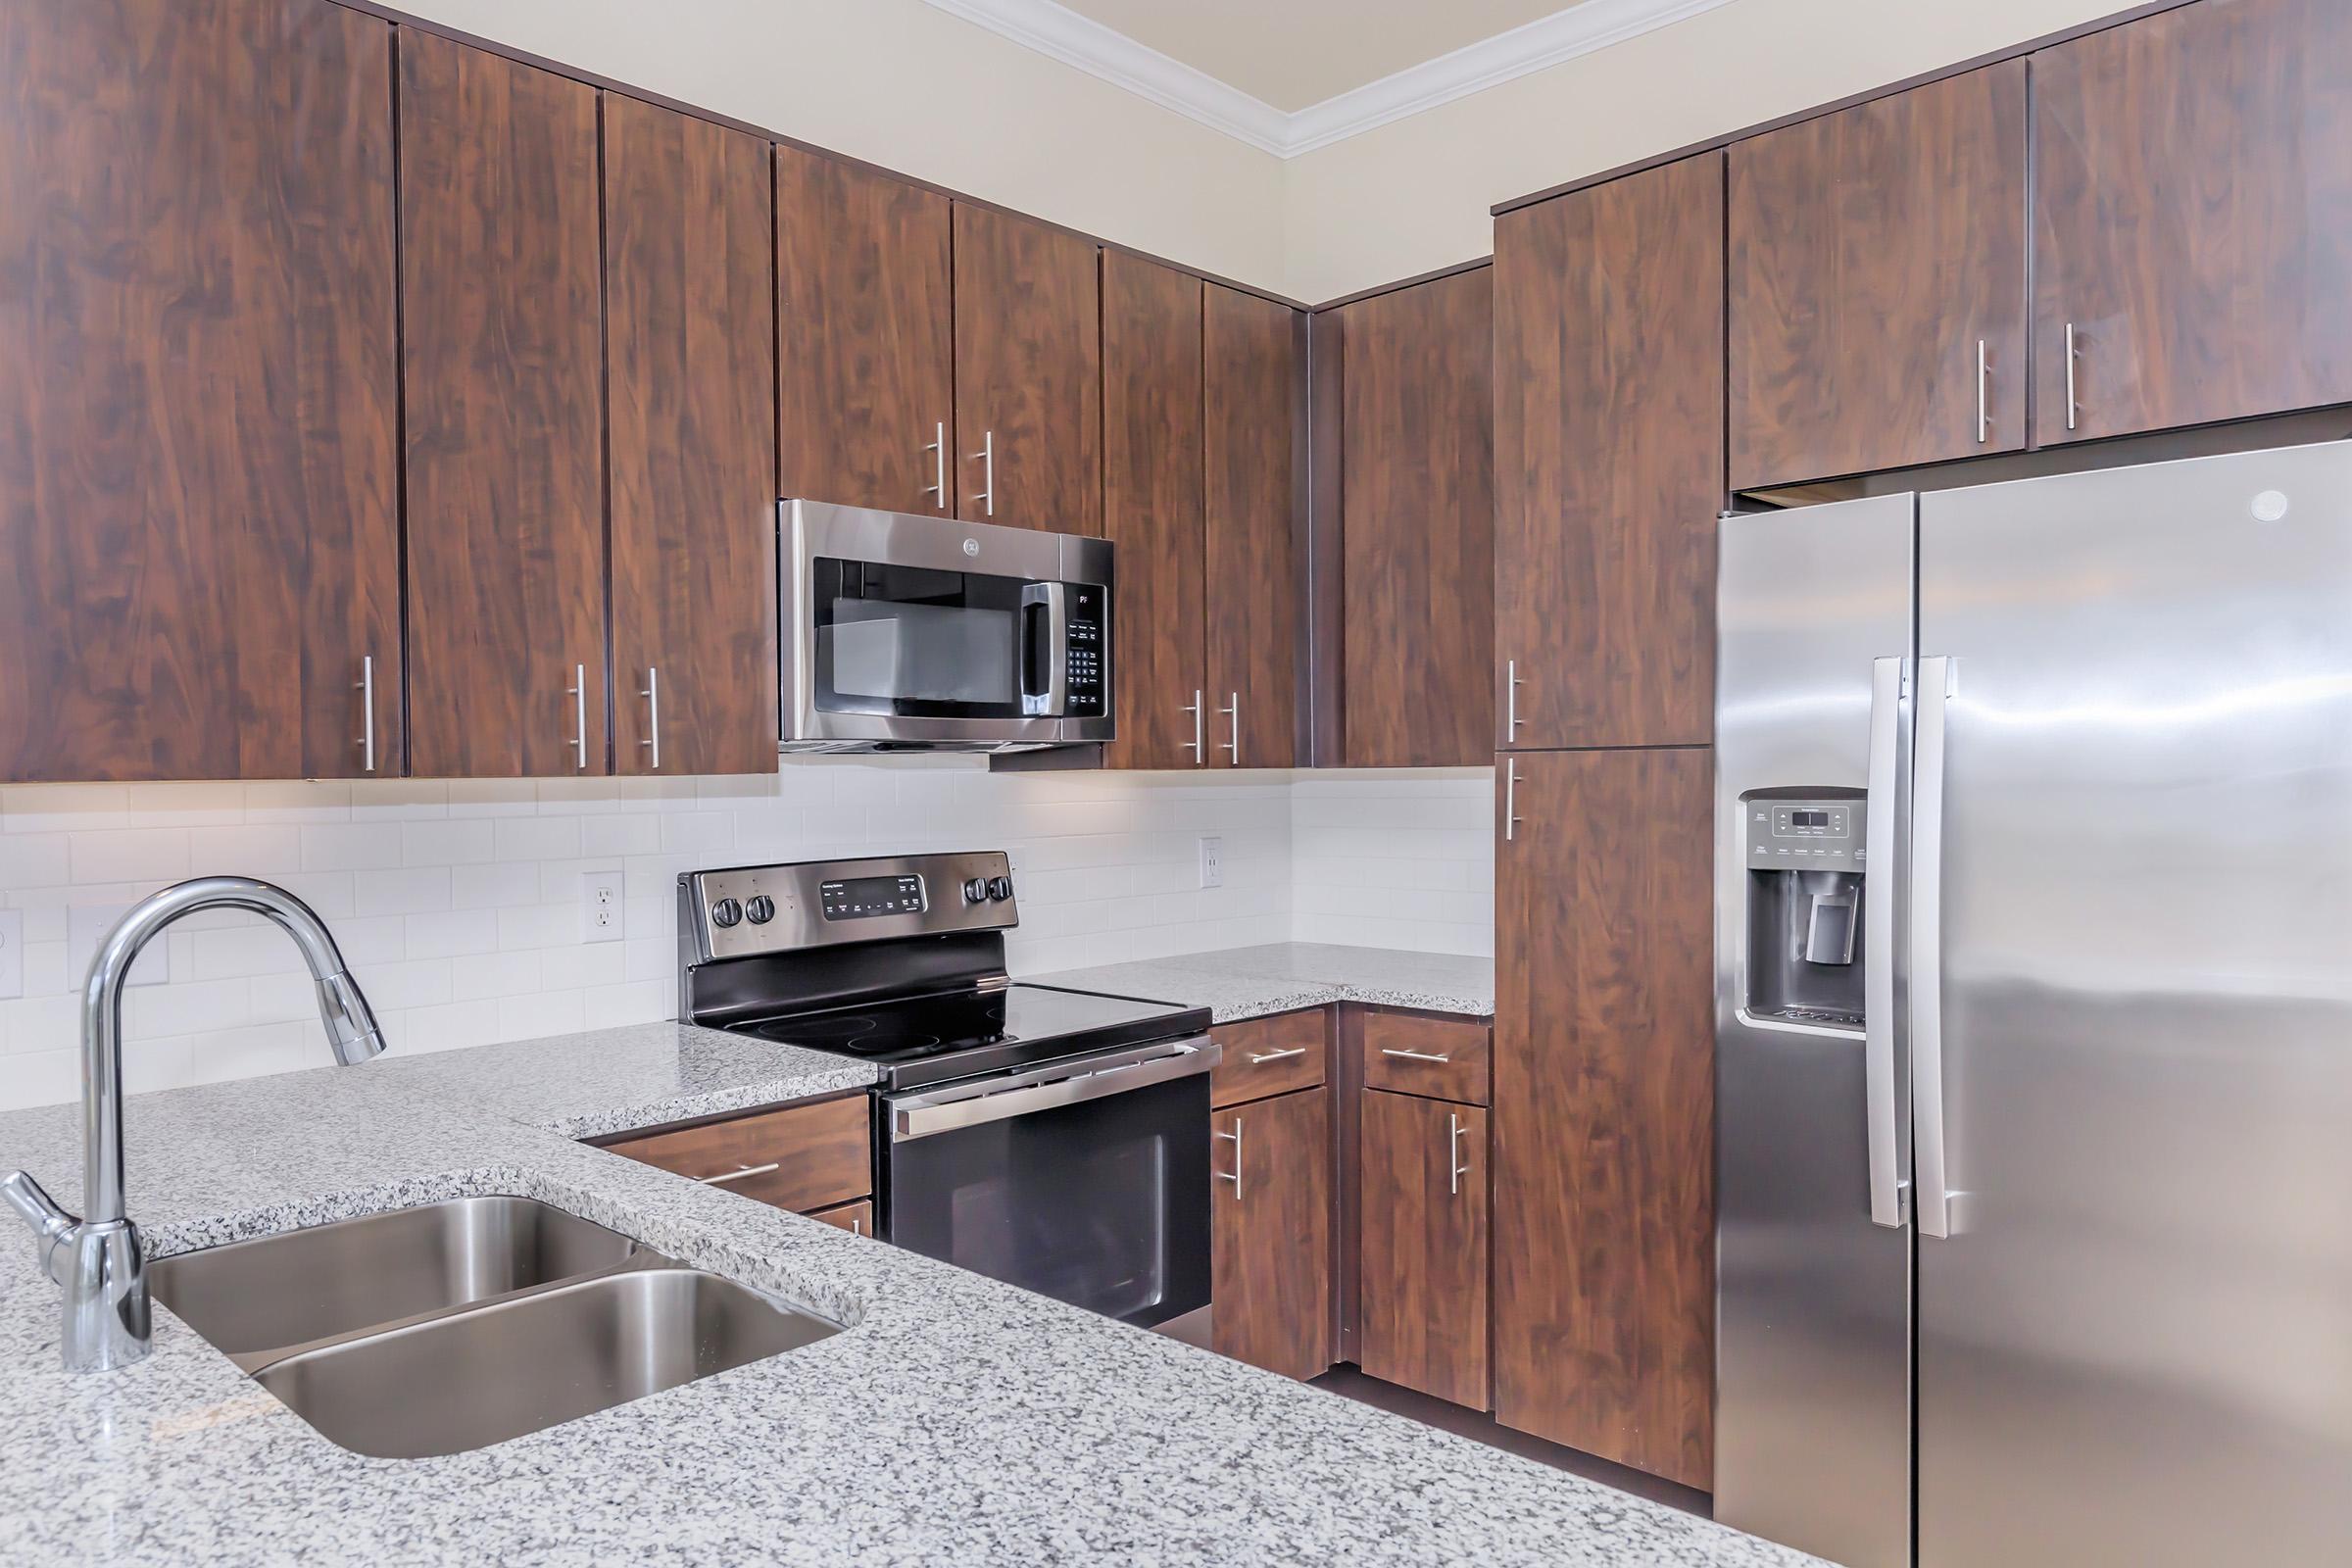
x=502, y=362
x=1254, y=446
x=199, y=390
x=1028, y=374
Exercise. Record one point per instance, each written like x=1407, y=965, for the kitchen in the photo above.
x=747, y=674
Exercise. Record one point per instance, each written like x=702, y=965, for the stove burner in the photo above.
x=823, y=1028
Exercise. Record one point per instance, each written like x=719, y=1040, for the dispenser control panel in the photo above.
x=1805, y=835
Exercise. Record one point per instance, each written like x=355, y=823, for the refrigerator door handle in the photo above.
x=1887, y=1189
x=1937, y=679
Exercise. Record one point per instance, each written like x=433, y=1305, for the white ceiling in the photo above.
x=1291, y=75
x=1294, y=52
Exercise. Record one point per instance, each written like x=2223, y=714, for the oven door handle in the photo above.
x=946, y=1110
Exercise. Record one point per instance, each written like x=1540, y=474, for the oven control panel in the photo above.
x=742, y=911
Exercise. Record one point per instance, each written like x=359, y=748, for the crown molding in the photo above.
x=1060, y=33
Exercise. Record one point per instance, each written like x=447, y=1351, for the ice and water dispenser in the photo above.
x=1804, y=906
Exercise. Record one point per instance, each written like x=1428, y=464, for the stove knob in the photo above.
x=725, y=912
x=975, y=890
x=759, y=910
x=1000, y=888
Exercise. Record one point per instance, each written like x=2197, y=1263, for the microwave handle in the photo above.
x=1054, y=700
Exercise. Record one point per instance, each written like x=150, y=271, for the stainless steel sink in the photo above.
x=443, y=1328
x=262, y=1300
x=496, y=1372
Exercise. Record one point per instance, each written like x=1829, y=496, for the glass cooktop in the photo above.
x=924, y=1027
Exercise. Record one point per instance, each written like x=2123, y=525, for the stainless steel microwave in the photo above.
x=904, y=632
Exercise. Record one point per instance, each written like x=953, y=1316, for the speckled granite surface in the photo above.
x=956, y=1421
x=1248, y=982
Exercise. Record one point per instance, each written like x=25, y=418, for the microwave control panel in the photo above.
x=1087, y=653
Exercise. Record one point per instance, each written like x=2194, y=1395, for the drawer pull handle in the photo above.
x=1258, y=1057
x=748, y=1171
x=1412, y=1056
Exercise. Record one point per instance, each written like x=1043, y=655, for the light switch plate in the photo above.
x=1213, y=863
x=602, y=914
x=88, y=925
x=11, y=953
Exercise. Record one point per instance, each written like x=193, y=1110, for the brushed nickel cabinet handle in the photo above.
x=2072, y=354
x=986, y=456
x=1510, y=701
x=1196, y=744
x=938, y=448
x=1257, y=1057
x=1235, y=710
x=856, y=1225
x=1235, y=1176
x=1984, y=428
x=1412, y=1056
x=652, y=712
x=745, y=1174
x=1510, y=802
x=578, y=691
x=368, y=710
x=1454, y=1155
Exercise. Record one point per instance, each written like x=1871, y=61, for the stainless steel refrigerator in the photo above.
x=2033, y=948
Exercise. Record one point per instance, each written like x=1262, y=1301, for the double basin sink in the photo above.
x=455, y=1325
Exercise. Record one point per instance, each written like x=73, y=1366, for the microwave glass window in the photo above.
x=923, y=652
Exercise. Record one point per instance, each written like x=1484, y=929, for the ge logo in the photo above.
x=971, y=547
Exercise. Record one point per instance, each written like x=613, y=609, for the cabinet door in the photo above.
x=1417, y=523
x=198, y=392
x=1609, y=439
x=502, y=347
x=2192, y=219
x=1270, y=1272
x=1253, y=450
x=1151, y=509
x=1877, y=281
x=1422, y=1304
x=1028, y=374
x=867, y=381
x=689, y=378
x=1604, y=1292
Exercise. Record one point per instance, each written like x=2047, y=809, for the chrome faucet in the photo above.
x=97, y=1257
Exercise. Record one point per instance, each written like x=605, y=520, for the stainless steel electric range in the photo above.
x=1053, y=1139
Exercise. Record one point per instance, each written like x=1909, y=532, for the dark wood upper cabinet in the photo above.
x=1421, y=1313
x=1877, y=284
x=1417, y=523
x=1608, y=444
x=1270, y=1259
x=1151, y=509
x=1254, y=449
x=199, y=540
x=866, y=380
x=1028, y=374
x=502, y=349
x=690, y=383
x=2192, y=219
x=1604, y=1120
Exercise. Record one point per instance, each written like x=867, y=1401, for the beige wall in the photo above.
x=903, y=84
x=1413, y=196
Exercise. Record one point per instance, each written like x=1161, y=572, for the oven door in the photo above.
x=907, y=630
x=1086, y=1181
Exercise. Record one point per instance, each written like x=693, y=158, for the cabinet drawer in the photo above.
x=1270, y=1055
x=809, y=1157
x=857, y=1218
x=1438, y=1058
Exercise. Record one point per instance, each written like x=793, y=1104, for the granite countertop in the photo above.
x=955, y=1420
x=1238, y=983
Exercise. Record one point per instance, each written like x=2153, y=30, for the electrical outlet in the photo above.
x=604, y=911
x=1213, y=863
x=11, y=953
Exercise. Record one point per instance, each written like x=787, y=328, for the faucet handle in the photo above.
x=51, y=1225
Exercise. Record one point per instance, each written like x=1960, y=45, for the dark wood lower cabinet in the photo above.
x=1421, y=1253
x=1270, y=1201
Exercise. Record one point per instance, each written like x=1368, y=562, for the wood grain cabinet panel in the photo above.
x=1270, y=1055
x=198, y=391
x=1270, y=1259
x=1608, y=443
x=690, y=379
x=1253, y=450
x=1438, y=1059
x=857, y=1218
x=1028, y=374
x=1417, y=528
x=1872, y=252
x=1152, y=482
x=501, y=360
x=2192, y=219
x=1604, y=1292
x=865, y=385
x=803, y=1158
x=1422, y=1308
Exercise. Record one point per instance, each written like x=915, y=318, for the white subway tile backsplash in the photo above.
x=459, y=905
